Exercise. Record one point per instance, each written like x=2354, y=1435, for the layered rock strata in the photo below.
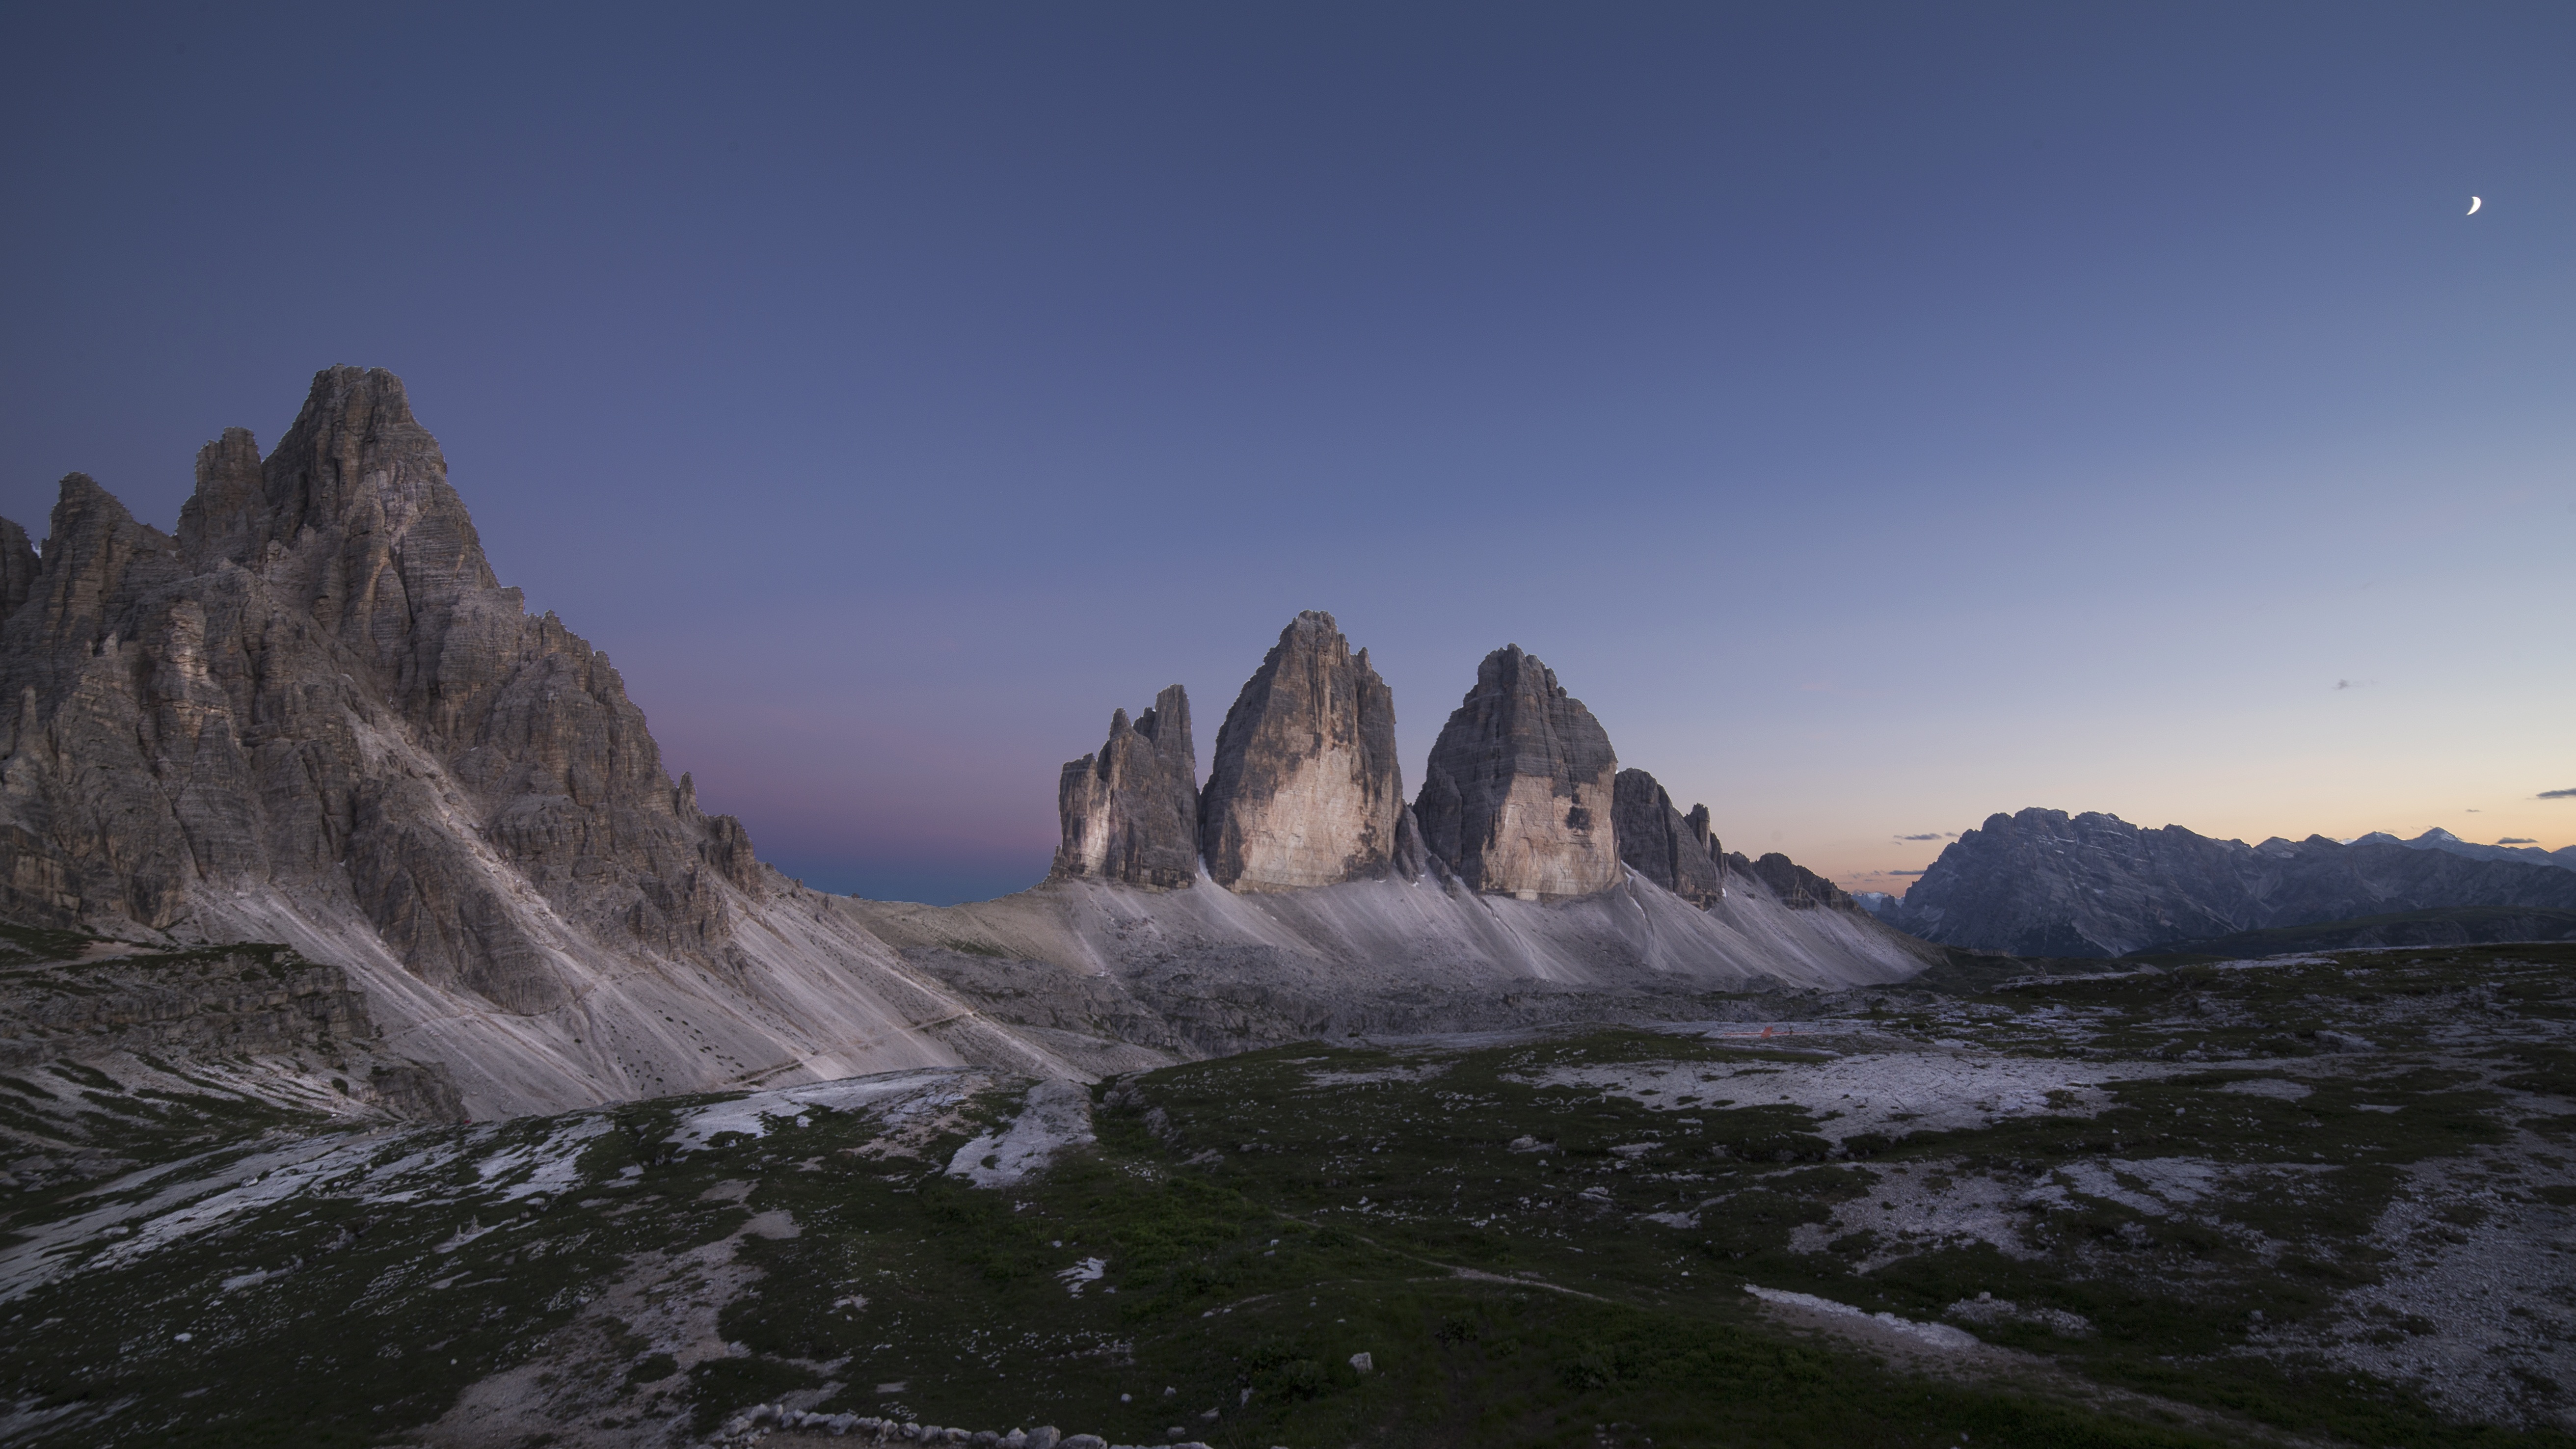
x=1673, y=850
x=1305, y=789
x=1131, y=812
x=1519, y=791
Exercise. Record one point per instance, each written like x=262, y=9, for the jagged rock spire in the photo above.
x=318, y=688
x=1131, y=812
x=1671, y=849
x=1305, y=789
x=1518, y=795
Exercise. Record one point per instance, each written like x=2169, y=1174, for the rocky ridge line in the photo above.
x=2044, y=883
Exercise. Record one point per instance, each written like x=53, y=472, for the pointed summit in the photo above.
x=1305, y=790
x=1519, y=791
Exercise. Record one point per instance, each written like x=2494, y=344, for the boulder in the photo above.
x=1519, y=793
x=1662, y=844
x=1305, y=789
x=1131, y=813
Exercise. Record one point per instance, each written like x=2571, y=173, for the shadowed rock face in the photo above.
x=1798, y=888
x=1662, y=844
x=2044, y=883
x=1131, y=812
x=1519, y=791
x=308, y=687
x=1305, y=790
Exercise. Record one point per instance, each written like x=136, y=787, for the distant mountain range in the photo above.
x=2564, y=858
x=2045, y=883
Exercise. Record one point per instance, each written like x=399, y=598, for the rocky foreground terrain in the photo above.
x=2043, y=882
x=2316, y=1200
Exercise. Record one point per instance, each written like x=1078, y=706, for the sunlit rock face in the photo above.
x=1673, y=850
x=1305, y=790
x=1519, y=791
x=1131, y=812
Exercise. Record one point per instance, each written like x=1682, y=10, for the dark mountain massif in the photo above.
x=2044, y=883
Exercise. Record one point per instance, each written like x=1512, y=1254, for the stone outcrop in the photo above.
x=1131, y=812
x=1519, y=791
x=2044, y=883
x=1673, y=850
x=1305, y=789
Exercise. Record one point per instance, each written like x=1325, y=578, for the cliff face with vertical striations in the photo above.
x=1305, y=790
x=1673, y=850
x=1518, y=794
x=1131, y=813
x=314, y=716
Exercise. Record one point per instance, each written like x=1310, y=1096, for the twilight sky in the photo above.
x=1881, y=416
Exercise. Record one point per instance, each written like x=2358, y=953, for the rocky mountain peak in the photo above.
x=1131, y=812
x=221, y=520
x=1673, y=850
x=315, y=715
x=1797, y=887
x=354, y=457
x=1519, y=791
x=1305, y=789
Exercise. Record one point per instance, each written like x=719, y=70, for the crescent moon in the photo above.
x=2474, y=203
